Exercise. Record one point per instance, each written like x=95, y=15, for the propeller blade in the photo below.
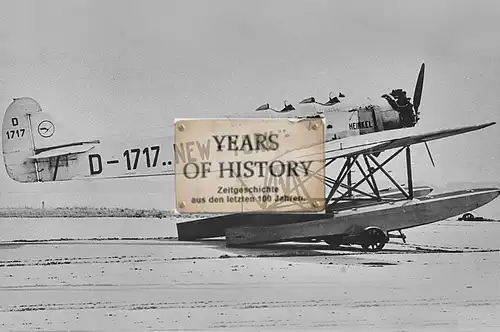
x=417, y=94
x=430, y=155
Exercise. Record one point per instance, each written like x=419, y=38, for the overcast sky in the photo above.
x=131, y=67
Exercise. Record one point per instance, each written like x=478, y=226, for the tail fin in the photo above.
x=17, y=139
x=36, y=148
x=27, y=132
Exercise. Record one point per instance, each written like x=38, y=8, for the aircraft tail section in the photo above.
x=47, y=132
x=29, y=137
x=36, y=148
x=17, y=139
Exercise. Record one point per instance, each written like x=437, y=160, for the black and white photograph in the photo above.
x=231, y=165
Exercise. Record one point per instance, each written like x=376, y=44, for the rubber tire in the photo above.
x=377, y=247
x=468, y=216
x=381, y=239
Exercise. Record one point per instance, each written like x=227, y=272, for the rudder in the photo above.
x=17, y=142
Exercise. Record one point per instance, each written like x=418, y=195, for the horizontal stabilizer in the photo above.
x=63, y=151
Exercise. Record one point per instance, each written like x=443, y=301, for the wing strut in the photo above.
x=368, y=166
x=371, y=172
x=56, y=168
x=388, y=176
x=408, y=172
x=337, y=200
x=345, y=169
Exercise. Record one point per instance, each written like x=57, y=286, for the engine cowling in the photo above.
x=389, y=119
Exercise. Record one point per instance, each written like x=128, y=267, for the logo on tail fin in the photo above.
x=46, y=129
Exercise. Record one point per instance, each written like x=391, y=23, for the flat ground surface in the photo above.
x=128, y=275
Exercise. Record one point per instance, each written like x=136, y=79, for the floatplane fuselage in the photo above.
x=36, y=149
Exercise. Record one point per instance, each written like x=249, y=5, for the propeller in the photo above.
x=417, y=97
x=417, y=94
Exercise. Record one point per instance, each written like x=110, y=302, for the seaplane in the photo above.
x=39, y=149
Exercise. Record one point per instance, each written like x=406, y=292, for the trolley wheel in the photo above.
x=375, y=239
